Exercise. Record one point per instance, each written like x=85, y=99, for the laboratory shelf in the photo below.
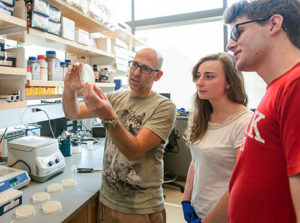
x=82, y=21
x=10, y=21
x=37, y=37
x=12, y=105
x=39, y=83
x=13, y=71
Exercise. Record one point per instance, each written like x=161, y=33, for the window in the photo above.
x=145, y=9
x=121, y=10
x=255, y=88
x=182, y=47
x=230, y=2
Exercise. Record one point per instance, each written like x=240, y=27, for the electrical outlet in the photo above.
x=35, y=110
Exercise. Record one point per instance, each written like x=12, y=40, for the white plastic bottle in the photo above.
x=34, y=67
x=29, y=74
x=43, y=67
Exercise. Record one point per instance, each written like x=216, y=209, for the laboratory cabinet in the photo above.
x=179, y=158
x=87, y=213
x=15, y=28
x=12, y=77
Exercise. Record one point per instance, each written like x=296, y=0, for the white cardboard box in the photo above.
x=67, y=28
x=82, y=36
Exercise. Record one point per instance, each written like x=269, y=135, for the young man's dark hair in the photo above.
x=289, y=9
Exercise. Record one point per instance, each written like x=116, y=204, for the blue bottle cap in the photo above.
x=32, y=58
x=51, y=52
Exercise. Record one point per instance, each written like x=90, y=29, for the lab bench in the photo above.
x=79, y=203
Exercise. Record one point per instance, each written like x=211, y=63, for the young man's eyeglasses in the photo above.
x=235, y=33
x=143, y=68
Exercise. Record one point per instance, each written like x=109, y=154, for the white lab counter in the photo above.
x=73, y=198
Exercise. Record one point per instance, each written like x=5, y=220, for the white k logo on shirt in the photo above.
x=253, y=130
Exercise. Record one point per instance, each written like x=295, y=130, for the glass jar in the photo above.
x=53, y=66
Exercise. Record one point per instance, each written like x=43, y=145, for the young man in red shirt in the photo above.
x=265, y=185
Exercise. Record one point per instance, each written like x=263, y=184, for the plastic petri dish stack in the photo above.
x=51, y=207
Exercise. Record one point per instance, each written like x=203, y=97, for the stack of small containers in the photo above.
x=43, y=16
x=6, y=7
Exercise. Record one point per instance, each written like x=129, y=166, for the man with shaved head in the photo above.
x=138, y=122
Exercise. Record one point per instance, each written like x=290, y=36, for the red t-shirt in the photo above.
x=259, y=186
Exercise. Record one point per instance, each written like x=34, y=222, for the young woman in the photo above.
x=215, y=133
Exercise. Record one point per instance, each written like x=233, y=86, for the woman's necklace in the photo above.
x=229, y=119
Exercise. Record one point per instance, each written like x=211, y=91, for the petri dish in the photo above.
x=55, y=187
x=87, y=74
x=51, y=207
x=40, y=197
x=24, y=211
x=69, y=182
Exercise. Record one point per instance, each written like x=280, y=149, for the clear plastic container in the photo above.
x=40, y=197
x=68, y=62
x=51, y=207
x=43, y=67
x=34, y=67
x=64, y=69
x=69, y=182
x=24, y=211
x=87, y=74
x=55, y=187
x=53, y=66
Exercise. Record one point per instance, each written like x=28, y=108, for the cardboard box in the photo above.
x=82, y=36
x=67, y=28
x=104, y=44
x=20, y=10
